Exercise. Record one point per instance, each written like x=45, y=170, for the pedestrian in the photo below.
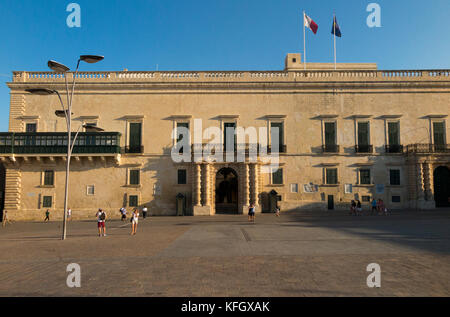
x=251, y=213
x=47, y=216
x=374, y=206
x=353, y=208
x=383, y=208
x=69, y=214
x=277, y=211
x=123, y=211
x=358, y=208
x=379, y=206
x=144, y=212
x=134, y=221
x=101, y=218
x=5, y=219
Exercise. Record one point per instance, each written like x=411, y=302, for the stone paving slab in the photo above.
x=226, y=256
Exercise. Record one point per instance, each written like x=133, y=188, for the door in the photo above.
x=330, y=202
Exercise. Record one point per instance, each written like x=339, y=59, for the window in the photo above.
x=47, y=202
x=394, y=176
x=439, y=133
x=294, y=188
x=182, y=179
x=363, y=133
x=277, y=133
x=365, y=199
x=133, y=201
x=90, y=191
x=330, y=133
x=134, y=177
x=135, y=140
x=49, y=178
x=394, y=133
x=396, y=199
x=364, y=176
x=180, y=125
x=331, y=177
x=229, y=135
x=31, y=127
x=277, y=177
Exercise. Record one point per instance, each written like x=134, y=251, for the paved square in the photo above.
x=298, y=254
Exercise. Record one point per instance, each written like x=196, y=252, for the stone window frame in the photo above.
x=187, y=175
x=138, y=195
x=283, y=176
x=369, y=168
x=227, y=119
x=437, y=120
x=181, y=119
x=43, y=177
x=41, y=200
x=275, y=119
x=30, y=119
x=362, y=118
x=290, y=188
x=128, y=181
x=134, y=119
x=389, y=119
x=389, y=176
x=335, y=167
x=87, y=190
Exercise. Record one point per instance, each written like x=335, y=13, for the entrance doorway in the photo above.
x=442, y=186
x=226, y=191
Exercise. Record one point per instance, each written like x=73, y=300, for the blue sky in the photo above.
x=217, y=35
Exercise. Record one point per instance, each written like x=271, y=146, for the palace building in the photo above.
x=354, y=132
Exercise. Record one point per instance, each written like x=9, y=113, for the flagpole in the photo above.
x=304, y=41
x=334, y=27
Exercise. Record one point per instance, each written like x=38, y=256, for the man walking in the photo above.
x=101, y=218
x=144, y=212
x=123, y=211
x=374, y=206
x=47, y=216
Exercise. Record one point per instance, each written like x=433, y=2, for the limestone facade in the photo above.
x=311, y=106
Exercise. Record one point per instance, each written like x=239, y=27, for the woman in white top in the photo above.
x=134, y=221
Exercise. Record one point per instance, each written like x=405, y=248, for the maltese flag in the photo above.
x=310, y=24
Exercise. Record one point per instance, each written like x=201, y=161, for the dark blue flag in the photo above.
x=335, y=30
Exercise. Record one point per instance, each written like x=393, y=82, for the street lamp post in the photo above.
x=67, y=113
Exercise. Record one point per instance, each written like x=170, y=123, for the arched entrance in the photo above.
x=226, y=191
x=442, y=186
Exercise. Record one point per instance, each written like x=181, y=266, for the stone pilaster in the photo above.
x=420, y=182
x=17, y=109
x=207, y=185
x=255, y=186
x=245, y=202
x=12, y=193
x=197, y=185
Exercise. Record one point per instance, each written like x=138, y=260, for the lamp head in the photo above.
x=91, y=58
x=40, y=91
x=58, y=67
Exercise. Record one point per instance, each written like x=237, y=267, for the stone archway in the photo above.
x=226, y=191
x=441, y=177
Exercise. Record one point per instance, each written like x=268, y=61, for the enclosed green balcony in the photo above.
x=56, y=143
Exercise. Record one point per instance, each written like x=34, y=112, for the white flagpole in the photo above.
x=304, y=40
x=334, y=27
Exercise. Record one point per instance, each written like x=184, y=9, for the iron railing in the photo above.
x=394, y=148
x=428, y=148
x=330, y=148
x=364, y=148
